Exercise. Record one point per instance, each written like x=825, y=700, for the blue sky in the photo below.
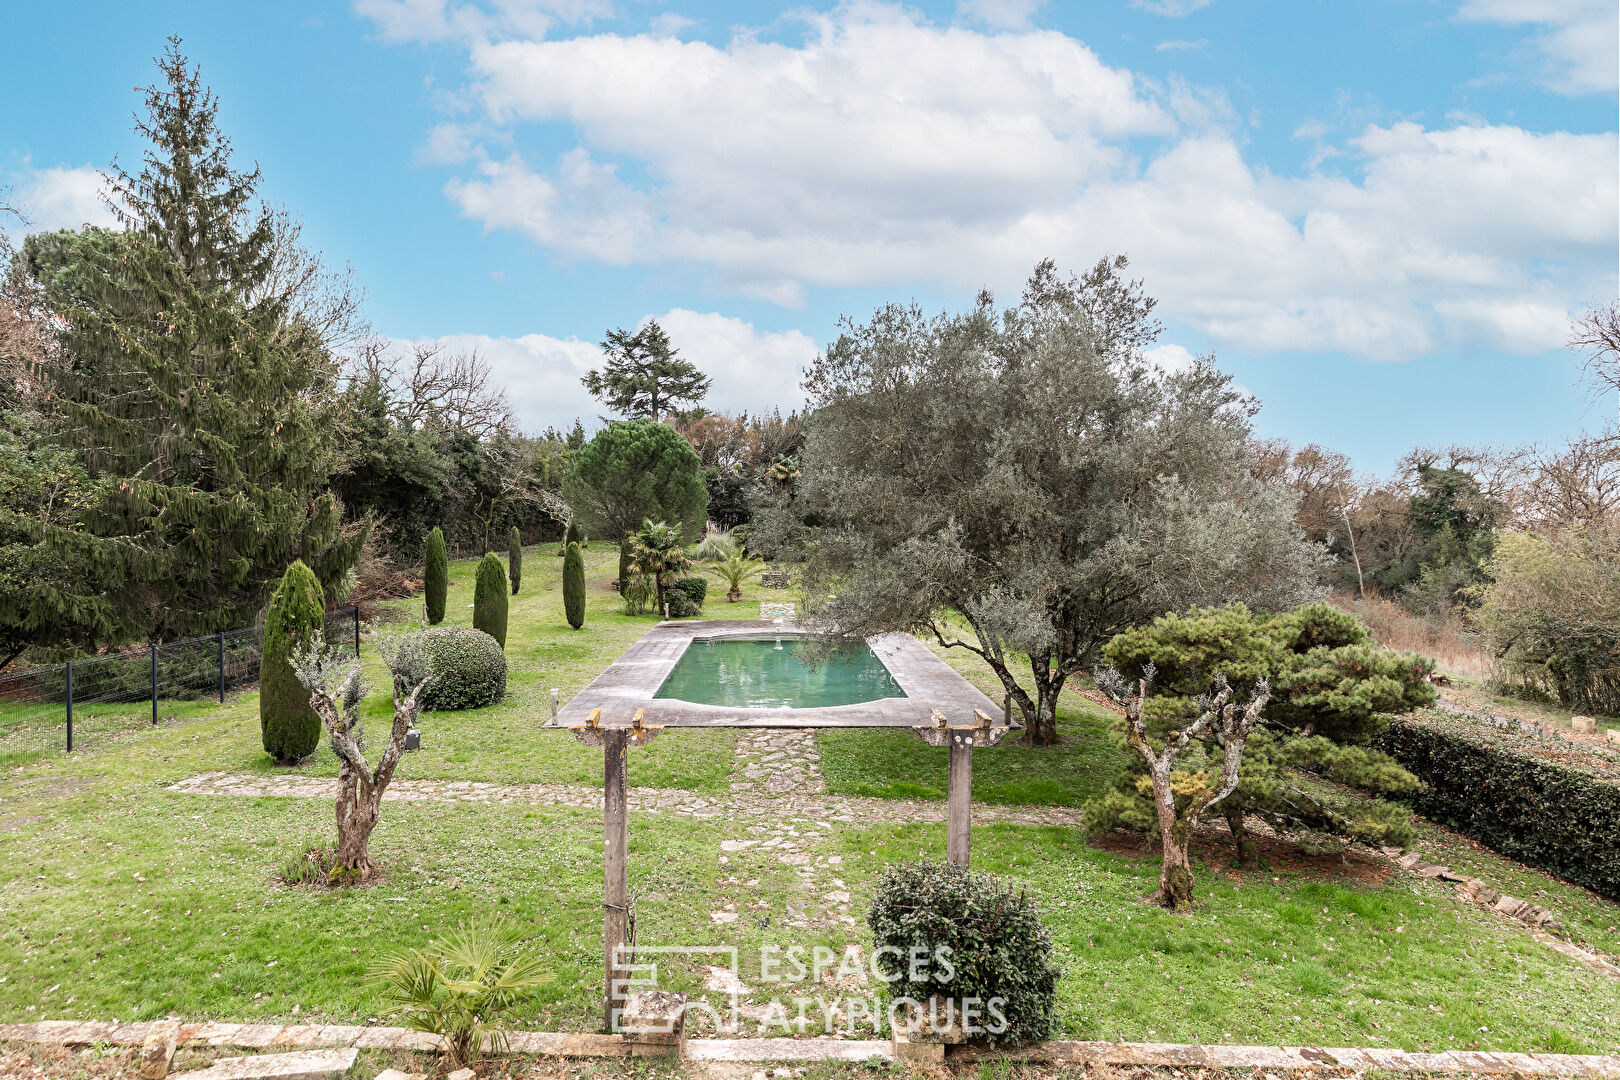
x=1379, y=216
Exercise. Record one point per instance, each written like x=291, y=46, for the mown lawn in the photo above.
x=120, y=899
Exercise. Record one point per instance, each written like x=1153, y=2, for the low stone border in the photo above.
x=557, y=1044
x=1540, y=921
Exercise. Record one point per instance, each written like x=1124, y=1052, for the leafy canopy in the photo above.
x=1028, y=471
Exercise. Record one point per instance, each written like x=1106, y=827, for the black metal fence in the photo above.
x=186, y=670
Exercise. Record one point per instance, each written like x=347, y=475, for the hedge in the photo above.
x=696, y=588
x=1518, y=789
x=991, y=937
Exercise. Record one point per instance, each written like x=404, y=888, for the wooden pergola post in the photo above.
x=616, y=874
x=959, y=799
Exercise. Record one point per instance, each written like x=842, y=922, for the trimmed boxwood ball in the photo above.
x=514, y=557
x=436, y=575
x=573, y=586
x=468, y=669
x=489, y=598
x=695, y=588
x=289, y=728
x=997, y=945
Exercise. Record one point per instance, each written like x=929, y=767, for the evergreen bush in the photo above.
x=1518, y=789
x=680, y=604
x=514, y=555
x=289, y=727
x=694, y=587
x=436, y=576
x=468, y=668
x=989, y=937
x=490, y=598
x=573, y=586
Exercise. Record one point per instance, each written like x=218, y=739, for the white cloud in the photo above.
x=1171, y=9
x=1170, y=359
x=1177, y=45
x=752, y=370
x=62, y=198
x=886, y=151
x=1578, y=41
x=669, y=24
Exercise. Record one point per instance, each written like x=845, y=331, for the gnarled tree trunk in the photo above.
x=1177, y=824
x=360, y=787
x=1245, y=854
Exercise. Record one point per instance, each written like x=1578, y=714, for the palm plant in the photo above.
x=459, y=987
x=736, y=567
x=656, y=550
x=716, y=545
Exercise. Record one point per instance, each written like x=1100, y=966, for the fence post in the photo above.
x=70, y=705
x=222, y=667
x=357, y=631
x=154, y=684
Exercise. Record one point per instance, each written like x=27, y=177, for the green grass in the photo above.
x=898, y=765
x=120, y=899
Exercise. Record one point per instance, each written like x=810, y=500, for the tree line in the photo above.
x=193, y=400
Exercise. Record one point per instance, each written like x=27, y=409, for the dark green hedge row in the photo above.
x=1519, y=790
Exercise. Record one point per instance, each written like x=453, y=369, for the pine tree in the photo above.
x=193, y=395
x=435, y=576
x=489, y=598
x=288, y=724
x=645, y=377
x=574, y=586
x=514, y=555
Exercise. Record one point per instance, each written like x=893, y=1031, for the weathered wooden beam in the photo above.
x=959, y=799
x=616, y=875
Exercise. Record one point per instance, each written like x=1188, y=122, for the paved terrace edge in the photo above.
x=559, y=1044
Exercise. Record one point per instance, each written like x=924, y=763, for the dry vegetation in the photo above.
x=1456, y=649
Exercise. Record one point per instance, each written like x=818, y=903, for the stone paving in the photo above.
x=1171, y=1055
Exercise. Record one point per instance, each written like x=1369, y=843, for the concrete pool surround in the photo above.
x=631, y=682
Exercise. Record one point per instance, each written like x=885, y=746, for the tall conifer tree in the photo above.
x=188, y=385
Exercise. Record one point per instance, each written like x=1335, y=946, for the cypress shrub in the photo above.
x=1519, y=790
x=978, y=939
x=290, y=729
x=514, y=556
x=489, y=598
x=574, y=586
x=436, y=576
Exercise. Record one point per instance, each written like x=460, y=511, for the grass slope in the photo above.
x=121, y=899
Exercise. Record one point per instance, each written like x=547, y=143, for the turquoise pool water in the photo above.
x=767, y=673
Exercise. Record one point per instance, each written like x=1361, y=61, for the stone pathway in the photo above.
x=810, y=802
x=778, y=763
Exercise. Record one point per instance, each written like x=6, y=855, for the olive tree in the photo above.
x=1025, y=485
x=336, y=690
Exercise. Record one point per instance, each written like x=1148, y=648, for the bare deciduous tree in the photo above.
x=330, y=303
x=1578, y=485
x=1182, y=795
x=434, y=386
x=336, y=689
x=1596, y=334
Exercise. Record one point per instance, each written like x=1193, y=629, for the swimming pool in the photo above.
x=767, y=672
